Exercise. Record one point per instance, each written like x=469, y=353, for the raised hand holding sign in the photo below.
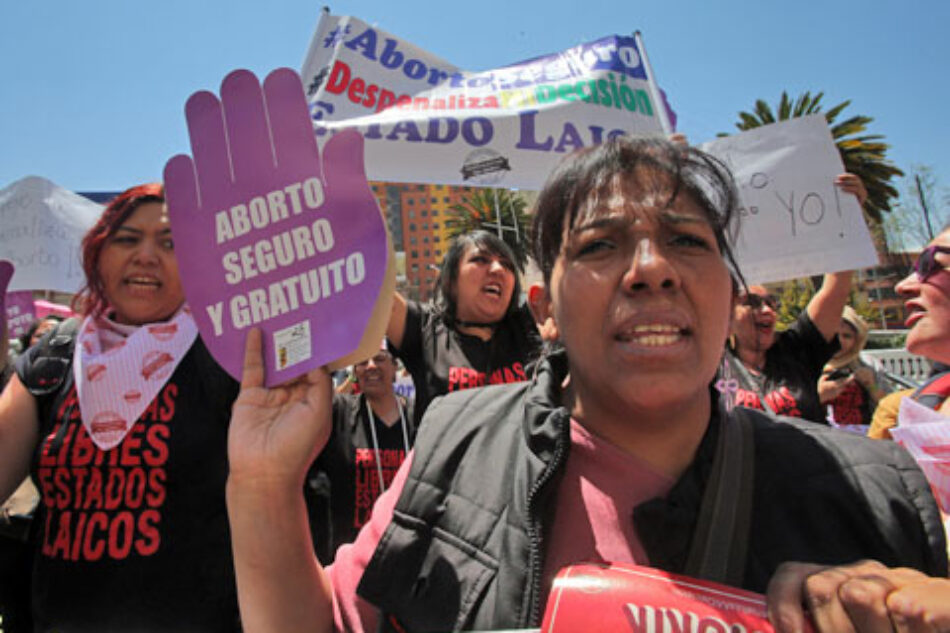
x=270, y=234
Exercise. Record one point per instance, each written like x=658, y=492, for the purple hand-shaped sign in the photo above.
x=268, y=234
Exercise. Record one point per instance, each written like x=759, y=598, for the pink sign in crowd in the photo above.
x=627, y=443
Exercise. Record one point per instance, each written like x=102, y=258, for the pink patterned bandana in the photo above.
x=119, y=369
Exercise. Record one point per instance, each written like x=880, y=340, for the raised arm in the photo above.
x=18, y=435
x=826, y=306
x=274, y=436
x=397, y=320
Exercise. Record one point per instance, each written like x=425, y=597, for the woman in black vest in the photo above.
x=612, y=452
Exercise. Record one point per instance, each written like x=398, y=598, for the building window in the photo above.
x=424, y=213
x=415, y=255
x=412, y=226
x=412, y=215
x=412, y=239
x=426, y=253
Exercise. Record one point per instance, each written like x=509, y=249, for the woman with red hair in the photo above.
x=121, y=420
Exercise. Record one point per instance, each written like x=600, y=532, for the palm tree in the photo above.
x=862, y=155
x=482, y=209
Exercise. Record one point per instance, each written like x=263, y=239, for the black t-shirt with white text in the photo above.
x=442, y=360
x=349, y=461
x=136, y=538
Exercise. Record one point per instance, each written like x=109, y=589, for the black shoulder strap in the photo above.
x=720, y=542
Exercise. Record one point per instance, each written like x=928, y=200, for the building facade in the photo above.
x=416, y=215
x=878, y=285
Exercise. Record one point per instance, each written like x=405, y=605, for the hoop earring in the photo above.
x=727, y=385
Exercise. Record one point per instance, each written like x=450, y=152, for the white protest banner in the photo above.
x=41, y=227
x=425, y=120
x=794, y=221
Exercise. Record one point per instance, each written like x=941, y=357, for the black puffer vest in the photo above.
x=464, y=550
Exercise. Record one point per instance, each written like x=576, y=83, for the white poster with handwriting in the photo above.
x=794, y=222
x=41, y=230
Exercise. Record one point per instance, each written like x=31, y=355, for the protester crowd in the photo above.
x=645, y=410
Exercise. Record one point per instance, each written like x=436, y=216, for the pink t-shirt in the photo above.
x=593, y=521
x=350, y=612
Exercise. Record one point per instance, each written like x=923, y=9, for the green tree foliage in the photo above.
x=478, y=211
x=864, y=309
x=862, y=154
x=796, y=294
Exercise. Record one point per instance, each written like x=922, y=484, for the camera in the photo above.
x=840, y=373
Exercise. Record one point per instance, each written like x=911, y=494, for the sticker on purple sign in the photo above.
x=270, y=234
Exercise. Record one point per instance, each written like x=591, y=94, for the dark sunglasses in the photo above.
x=757, y=301
x=927, y=265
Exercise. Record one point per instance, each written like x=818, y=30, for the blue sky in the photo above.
x=93, y=92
